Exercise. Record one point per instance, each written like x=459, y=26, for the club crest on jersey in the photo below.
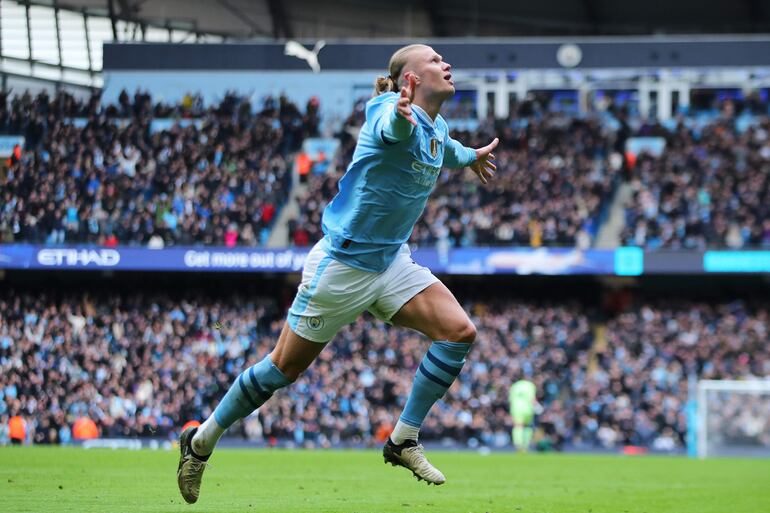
x=315, y=323
x=434, y=148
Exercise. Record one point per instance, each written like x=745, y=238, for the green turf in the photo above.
x=58, y=479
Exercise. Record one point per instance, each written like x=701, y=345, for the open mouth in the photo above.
x=448, y=78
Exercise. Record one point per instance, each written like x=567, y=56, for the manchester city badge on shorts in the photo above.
x=315, y=323
x=434, y=147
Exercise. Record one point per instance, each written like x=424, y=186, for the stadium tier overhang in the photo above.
x=475, y=35
x=288, y=19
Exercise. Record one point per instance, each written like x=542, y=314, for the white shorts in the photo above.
x=333, y=294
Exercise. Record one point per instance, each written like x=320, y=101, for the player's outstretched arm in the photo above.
x=399, y=124
x=479, y=160
x=404, y=103
x=483, y=165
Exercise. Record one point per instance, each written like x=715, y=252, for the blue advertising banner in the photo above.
x=554, y=261
x=623, y=261
x=143, y=259
x=736, y=261
x=454, y=261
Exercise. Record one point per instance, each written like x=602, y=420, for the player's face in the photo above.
x=435, y=74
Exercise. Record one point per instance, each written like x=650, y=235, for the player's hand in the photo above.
x=404, y=104
x=483, y=165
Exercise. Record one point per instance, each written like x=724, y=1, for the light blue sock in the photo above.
x=438, y=369
x=250, y=390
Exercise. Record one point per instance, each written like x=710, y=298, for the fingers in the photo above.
x=412, y=86
x=483, y=173
x=486, y=151
x=404, y=109
x=404, y=105
x=491, y=146
x=484, y=168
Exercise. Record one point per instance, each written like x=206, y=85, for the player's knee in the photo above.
x=289, y=369
x=291, y=372
x=465, y=333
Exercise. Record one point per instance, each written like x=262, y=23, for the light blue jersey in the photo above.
x=386, y=186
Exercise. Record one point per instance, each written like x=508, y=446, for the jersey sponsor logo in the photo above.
x=426, y=174
x=315, y=323
x=78, y=257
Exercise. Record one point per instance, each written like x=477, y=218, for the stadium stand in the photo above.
x=555, y=176
x=102, y=175
x=129, y=174
x=709, y=189
x=142, y=364
x=552, y=181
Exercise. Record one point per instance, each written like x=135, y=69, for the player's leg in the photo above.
x=436, y=313
x=527, y=429
x=253, y=386
x=522, y=432
x=416, y=299
x=291, y=356
x=518, y=435
x=527, y=437
x=331, y=295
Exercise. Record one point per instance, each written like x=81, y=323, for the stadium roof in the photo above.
x=246, y=19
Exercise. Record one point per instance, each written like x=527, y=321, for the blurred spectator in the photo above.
x=84, y=429
x=17, y=429
x=5, y=438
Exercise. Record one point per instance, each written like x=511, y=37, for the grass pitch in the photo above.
x=67, y=479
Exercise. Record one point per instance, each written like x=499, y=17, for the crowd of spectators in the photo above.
x=305, y=229
x=640, y=387
x=554, y=176
x=144, y=364
x=709, y=188
x=556, y=173
x=737, y=421
x=113, y=174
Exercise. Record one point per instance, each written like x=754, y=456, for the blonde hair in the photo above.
x=396, y=65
